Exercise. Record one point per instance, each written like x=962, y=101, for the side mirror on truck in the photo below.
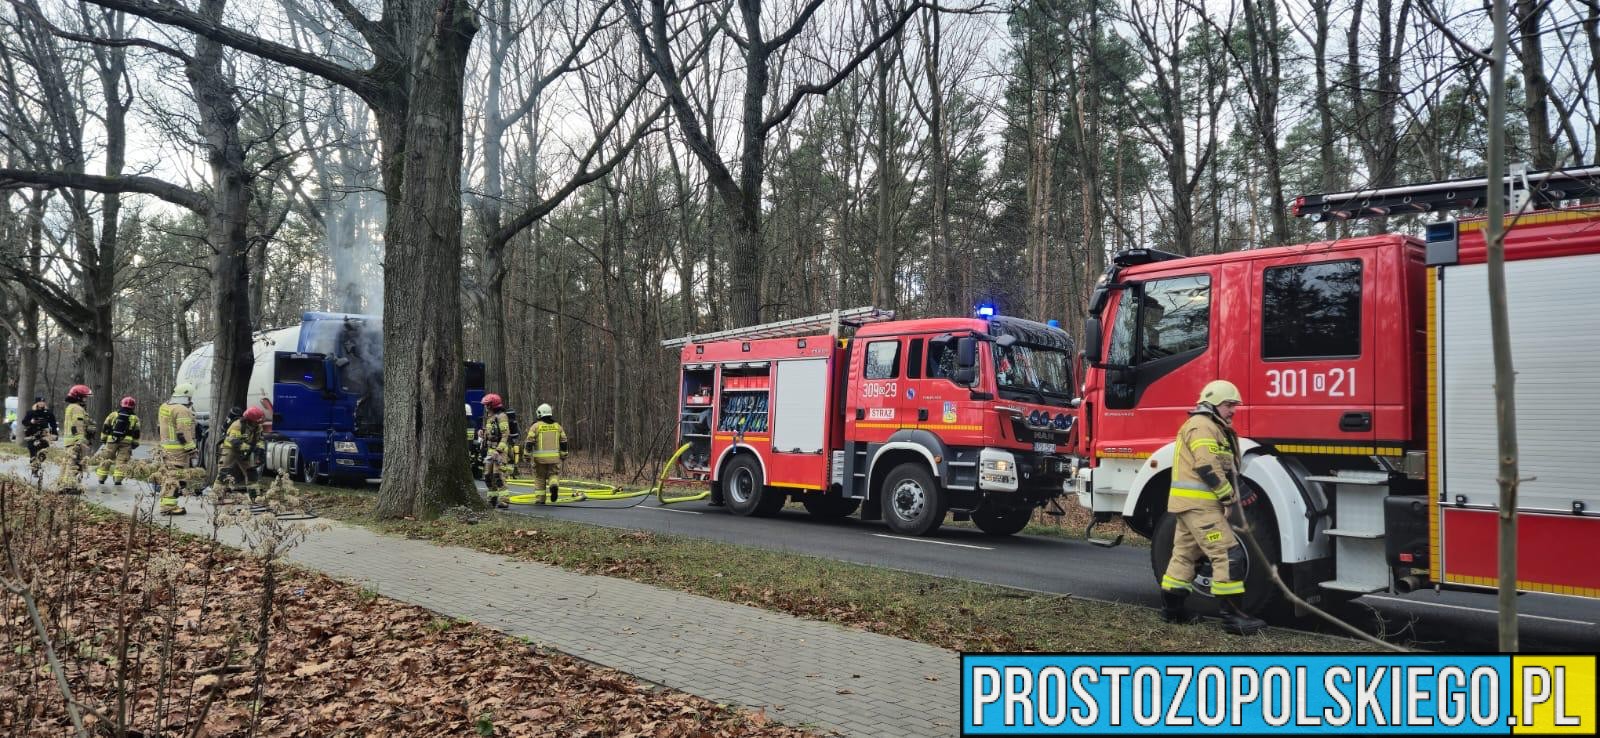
x=966, y=372
x=1091, y=340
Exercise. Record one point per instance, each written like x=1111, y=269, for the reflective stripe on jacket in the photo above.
x=78, y=425
x=175, y=423
x=547, y=441
x=1203, y=460
x=497, y=430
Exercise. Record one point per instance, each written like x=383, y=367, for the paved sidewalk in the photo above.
x=802, y=672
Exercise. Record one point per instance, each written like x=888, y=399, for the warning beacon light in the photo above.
x=986, y=310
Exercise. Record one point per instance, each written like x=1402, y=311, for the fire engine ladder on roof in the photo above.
x=807, y=326
x=1538, y=189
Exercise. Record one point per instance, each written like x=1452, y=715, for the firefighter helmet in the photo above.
x=492, y=401
x=128, y=403
x=79, y=391
x=1220, y=391
x=546, y=411
x=253, y=414
x=183, y=393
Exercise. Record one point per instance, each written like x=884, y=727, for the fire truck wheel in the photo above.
x=912, y=503
x=829, y=507
x=1002, y=522
x=745, y=490
x=1260, y=594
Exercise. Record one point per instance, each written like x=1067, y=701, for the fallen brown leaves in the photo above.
x=342, y=662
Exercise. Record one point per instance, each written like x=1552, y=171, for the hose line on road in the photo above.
x=584, y=490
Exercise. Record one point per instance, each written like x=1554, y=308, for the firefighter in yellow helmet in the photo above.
x=497, y=441
x=1203, y=464
x=175, y=421
x=236, y=469
x=546, y=446
x=122, y=434
x=80, y=432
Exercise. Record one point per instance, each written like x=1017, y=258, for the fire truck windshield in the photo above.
x=1034, y=373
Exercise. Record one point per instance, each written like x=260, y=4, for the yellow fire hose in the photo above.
x=575, y=491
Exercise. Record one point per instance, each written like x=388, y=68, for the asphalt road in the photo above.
x=1454, y=621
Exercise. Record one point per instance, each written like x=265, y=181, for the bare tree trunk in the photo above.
x=942, y=259
x=1591, y=32
x=1375, y=102
x=5, y=370
x=493, y=277
x=1088, y=125
x=1040, y=194
x=1264, y=78
x=1505, y=375
x=1535, y=87
x=256, y=270
x=686, y=259
x=234, y=352
x=1325, y=150
x=28, y=308
x=886, y=166
x=497, y=377
x=425, y=467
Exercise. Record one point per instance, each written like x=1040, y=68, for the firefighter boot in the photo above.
x=554, y=493
x=1235, y=620
x=170, y=506
x=1172, y=609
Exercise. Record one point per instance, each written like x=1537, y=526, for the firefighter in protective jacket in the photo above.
x=1204, y=462
x=236, y=469
x=80, y=432
x=497, y=442
x=175, y=421
x=40, y=428
x=122, y=434
x=547, y=446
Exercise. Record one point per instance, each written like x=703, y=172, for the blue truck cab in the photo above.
x=327, y=400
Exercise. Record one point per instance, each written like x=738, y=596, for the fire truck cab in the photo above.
x=1367, y=428
x=906, y=420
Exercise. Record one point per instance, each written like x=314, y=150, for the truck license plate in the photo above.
x=1044, y=448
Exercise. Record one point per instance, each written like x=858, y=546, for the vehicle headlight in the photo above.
x=997, y=470
x=345, y=447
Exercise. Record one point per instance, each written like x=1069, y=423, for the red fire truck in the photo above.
x=906, y=420
x=1365, y=363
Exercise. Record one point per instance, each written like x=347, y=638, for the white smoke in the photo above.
x=354, y=212
x=354, y=238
